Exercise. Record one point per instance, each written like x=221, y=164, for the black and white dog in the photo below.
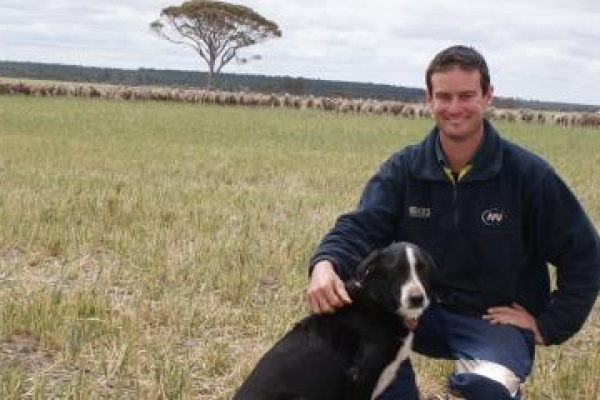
x=353, y=353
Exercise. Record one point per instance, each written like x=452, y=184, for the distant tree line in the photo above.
x=246, y=82
x=194, y=79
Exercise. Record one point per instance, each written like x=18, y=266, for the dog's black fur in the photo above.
x=341, y=355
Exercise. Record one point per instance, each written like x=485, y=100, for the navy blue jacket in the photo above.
x=492, y=234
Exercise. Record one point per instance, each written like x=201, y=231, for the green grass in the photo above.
x=156, y=250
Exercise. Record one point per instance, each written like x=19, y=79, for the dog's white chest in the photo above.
x=389, y=373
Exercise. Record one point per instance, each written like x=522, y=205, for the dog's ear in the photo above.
x=428, y=259
x=367, y=265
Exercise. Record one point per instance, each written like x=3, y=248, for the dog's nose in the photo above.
x=416, y=300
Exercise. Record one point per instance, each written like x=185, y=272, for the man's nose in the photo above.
x=454, y=105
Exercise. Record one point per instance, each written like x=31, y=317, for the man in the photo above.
x=493, y=216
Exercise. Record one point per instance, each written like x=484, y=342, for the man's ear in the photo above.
x=367, y=265
x=428, y=101
x=489, y=96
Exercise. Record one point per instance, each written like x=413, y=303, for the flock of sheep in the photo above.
x=334, y=104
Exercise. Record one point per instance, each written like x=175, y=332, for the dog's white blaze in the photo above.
x=389, y=373
x=413, y=285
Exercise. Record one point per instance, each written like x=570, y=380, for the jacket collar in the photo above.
x=486, y=163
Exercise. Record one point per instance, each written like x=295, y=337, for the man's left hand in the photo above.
x=516, y=316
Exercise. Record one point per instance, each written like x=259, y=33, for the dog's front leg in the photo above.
x=371, y=358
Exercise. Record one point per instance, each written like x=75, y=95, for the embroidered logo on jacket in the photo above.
x=493, y=217
x=419, y=212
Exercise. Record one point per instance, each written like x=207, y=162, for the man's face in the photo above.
x=458, y=103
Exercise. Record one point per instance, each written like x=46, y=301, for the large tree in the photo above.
x=215, y=30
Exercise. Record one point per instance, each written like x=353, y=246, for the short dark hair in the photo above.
x=463, y=57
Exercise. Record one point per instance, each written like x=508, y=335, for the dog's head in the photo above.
x=397, y=276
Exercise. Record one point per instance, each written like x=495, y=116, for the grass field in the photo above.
x=156, y=250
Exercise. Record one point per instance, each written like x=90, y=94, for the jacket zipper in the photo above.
x=455, y=203
x=454, y=181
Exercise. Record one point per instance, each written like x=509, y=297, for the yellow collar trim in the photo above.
x=461, y=174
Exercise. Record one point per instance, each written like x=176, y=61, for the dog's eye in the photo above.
x=423, y=267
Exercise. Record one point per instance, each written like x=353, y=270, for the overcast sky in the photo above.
x=536, y=49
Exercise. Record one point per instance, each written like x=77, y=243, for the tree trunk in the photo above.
x=210, y=80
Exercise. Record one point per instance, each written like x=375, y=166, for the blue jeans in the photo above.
x=490, y=360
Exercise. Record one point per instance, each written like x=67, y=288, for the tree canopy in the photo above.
x=215, y=30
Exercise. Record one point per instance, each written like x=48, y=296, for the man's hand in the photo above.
x=516, y=316
x=326, y=291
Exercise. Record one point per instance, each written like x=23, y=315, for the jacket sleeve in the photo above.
x=371, y=225
x=568, y=241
